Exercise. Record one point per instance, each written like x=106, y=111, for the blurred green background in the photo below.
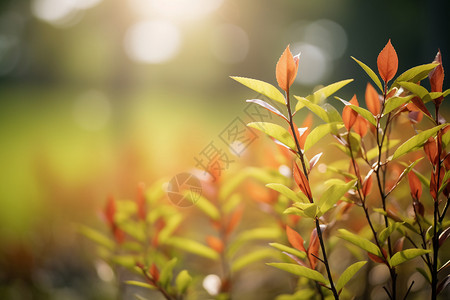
x=97, y=95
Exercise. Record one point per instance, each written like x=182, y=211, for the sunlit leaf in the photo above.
x=192, y=247
x=359, y=241
x=300, y=271
x=372, y=100
x=305, y=294
x=320, y=95
x=268, y=107
x=182, y=281
x=415, y=74
x=416, y=141
x=289, y=250
x=205, y=206
x=416, y=89
x=361, y=111
x=316, y=109
x=166, y=274
x=251, y=257
x=386, y=232
x=332, y=195
x=308, y=210
x=215, y=243
x=275, y=131
x=313, y=248
x=172, y=224
x=387, y=62
x=234, y=220
x=371, y=74
x=140, y=284
x=348, y=274
x=295, y=239
x=405, y=255
x=286, y=69
x=125, y=260
x=284, y=190
x=395, y=102
x=262, y=87
x=319, y=132
x=96, y=236
x=302, y=181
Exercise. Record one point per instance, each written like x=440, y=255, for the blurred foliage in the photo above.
x=79, y=119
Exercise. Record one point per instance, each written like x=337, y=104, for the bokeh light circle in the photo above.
x=313, y=66
x=152, y=42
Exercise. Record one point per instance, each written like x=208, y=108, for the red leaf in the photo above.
x=140, y=202
x=349, y=115
x=313, y=249
x=110, y=210
x=154, y=272
x=372, y=100
x=431, y=150
x=295, y=239
x=367, y=186
x=434, y=184
x=437, y=75
x=361, y=126
x=302, y=182
x=376, y=258
x=415, y=186
x=387, y=62
x=398, y=246
x=215, y=243
x=119, y=234
x=307, y=123
x=234, y=220
x=420, y=105
x=286, y=69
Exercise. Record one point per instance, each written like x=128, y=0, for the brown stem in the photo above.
x=319, y=232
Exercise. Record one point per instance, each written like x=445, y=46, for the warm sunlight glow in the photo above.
x=152, y=42
x=314, y=64
x=177, y=9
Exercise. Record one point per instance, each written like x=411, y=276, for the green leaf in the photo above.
x=348, y=274
x=395, y=102
x=386, y=232
x=172, y=224
x=300, y=271
x=333, y=114
x=96, y=236
x=360, y=242
x=288, y=249
x=405, y=255
x=192, y=246
x=251, y=257
x=416, y=89
x=140, y=284
x=308, y=210
x=371, y=74
x=415, y=74
x=290, y=194
x=306, y=294
x=316, y=109
x=319, y=132
x=416, y=141
x=446, y=138
x=165, y=277
x=320, y=95
x=183, y=281
x=361, y=111
x=207, y=207
x=275, y=131
x=332, y=195
x=262, y=87
x=125, y=260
